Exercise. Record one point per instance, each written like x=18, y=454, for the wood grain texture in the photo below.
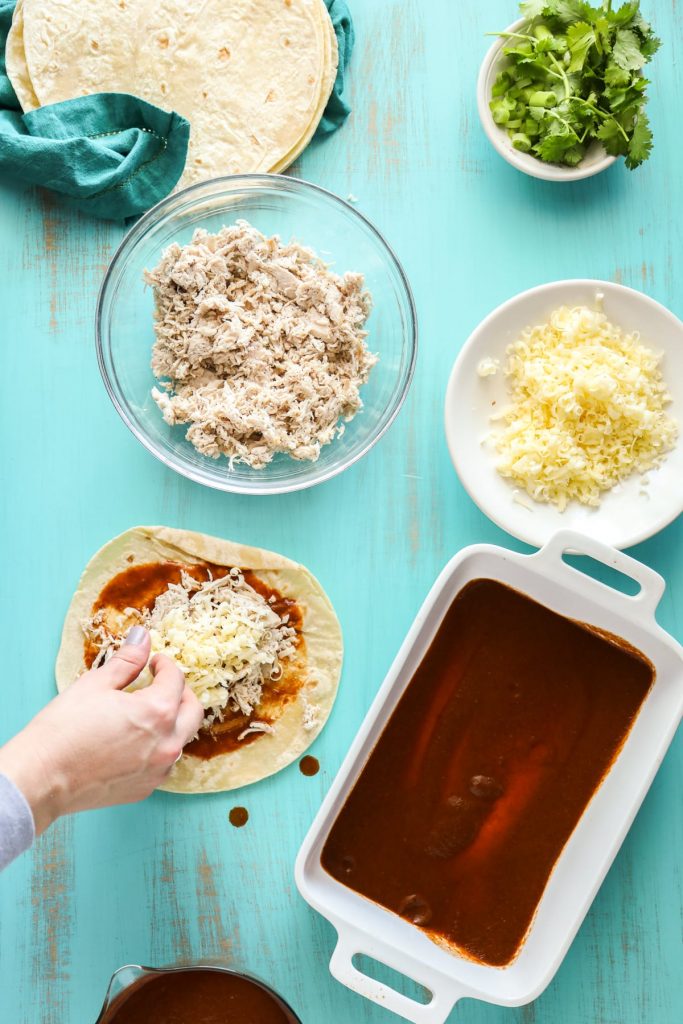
x=171, y=878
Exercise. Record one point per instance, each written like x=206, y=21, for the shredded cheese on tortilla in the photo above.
x=587, y=409
x=225, y=637
x=223, y=634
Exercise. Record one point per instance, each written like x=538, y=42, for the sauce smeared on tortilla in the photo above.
x=140, y=584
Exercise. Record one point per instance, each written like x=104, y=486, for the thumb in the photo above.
x=129, y=661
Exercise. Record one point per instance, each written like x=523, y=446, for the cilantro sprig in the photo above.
x=574, y=75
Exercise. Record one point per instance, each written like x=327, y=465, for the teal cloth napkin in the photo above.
x=115, y=155
x=338, y=109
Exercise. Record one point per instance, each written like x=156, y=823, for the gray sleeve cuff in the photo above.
x=17, y=830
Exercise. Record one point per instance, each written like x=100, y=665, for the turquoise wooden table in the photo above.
x=171, y=878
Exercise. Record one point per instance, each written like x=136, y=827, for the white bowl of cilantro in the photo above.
x=561, y=92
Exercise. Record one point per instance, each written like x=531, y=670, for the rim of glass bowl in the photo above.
x=177, y=201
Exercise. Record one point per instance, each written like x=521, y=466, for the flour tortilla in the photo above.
x=252, y=76
x=323, y=649
x=329, y=76
x=15, y=61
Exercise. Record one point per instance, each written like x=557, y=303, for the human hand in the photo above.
x=95, y=745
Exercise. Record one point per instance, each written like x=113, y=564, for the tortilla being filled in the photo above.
x=252, y=77
x=255, y=633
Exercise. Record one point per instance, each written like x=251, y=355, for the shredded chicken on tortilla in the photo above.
x=259, y=346
x=225, y=636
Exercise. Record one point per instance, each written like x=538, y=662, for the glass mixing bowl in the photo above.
x=340, y=235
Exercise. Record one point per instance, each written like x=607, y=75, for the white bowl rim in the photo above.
x=492, y=511
x=525, y=162
x=196, y=475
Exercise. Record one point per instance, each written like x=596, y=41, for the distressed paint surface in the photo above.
x=171, y=878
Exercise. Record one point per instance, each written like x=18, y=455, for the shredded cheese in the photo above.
x=488, y=367
x=225, y=636
x=587, y=409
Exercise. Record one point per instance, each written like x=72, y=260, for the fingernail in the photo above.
x=136, y=635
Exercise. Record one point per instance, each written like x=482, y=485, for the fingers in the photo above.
x=172, y=710
x=169, y=679
x=128, y=662
x=190, y=717
x=162, y=698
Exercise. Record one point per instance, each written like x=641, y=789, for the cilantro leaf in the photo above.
x=532, y=8
x=616, y=98
x=650, y=46
x=552, y=148
x=546, y=45
x=627, y=53
x=573, y=157
x=626, y=13
x=580, y=38
x=569, y=11
x=560, y=138
x=612, y=138
x=640, y=23
x=602, y=34
x=616, y=76
x=640, y=145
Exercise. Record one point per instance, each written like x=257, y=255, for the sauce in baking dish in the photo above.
x=492, y=754
x=197, y=995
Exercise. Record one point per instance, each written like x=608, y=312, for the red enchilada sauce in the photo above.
x=197, y=996
x=480, y=776
x=309, y=766
x=238, y=816
x=138, y=587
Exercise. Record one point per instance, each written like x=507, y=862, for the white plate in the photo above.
x=595, y=160
x=628, y=514
x=365, y=927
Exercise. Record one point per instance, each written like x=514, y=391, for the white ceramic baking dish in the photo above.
x=366, y=928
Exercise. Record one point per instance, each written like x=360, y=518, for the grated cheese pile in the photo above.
x=224, y=635
x=587, y=409
x=262, y=346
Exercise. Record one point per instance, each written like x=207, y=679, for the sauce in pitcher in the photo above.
x=197, y=995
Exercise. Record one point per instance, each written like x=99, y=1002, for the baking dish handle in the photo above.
x=651, y=583
x=444, y=992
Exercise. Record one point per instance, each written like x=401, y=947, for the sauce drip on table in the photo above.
x=238, y=816
x=139, y=585
x=309, y=765
x=197, y=996
x=496, y=747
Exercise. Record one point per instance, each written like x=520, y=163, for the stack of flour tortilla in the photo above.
x=252, y=77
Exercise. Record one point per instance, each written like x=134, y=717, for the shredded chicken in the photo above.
x=311, y=715
x=259, y=346
x=97, y=633
x=256, y=727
